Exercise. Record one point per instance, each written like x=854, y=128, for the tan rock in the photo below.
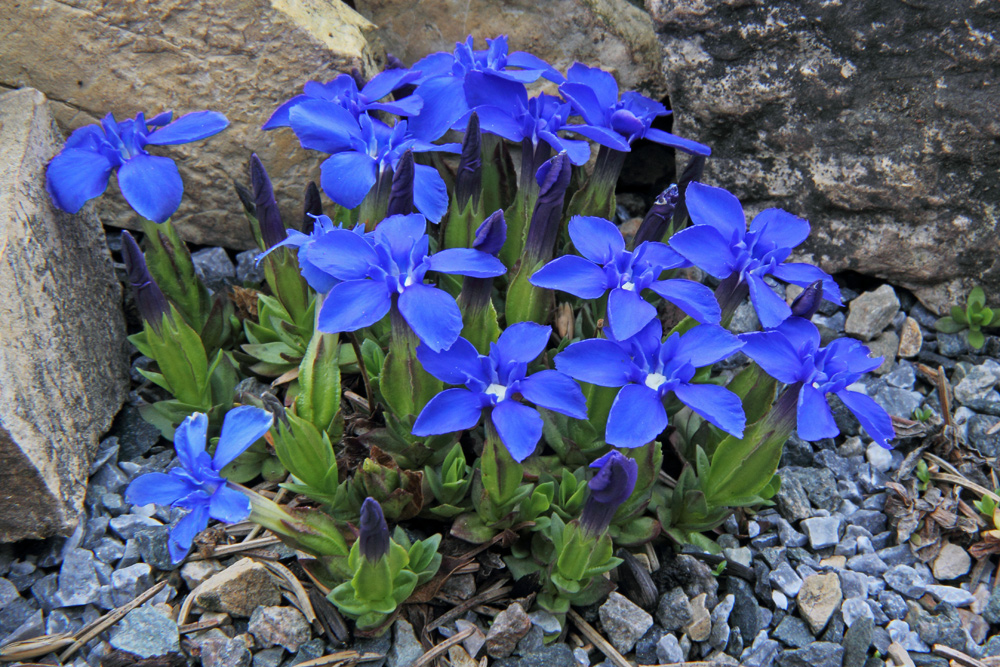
x=818, y=599
x=701, y=621
x=910, y=339
x=885, y=346
x=240, y=57
x=951, y=563
x=63, y=362
x=239, y=590
x=507, y=629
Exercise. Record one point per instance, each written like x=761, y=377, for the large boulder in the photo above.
x=240, y=57
x=875, y=120
x=63, y=361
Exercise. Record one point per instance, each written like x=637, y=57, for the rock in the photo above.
x=204, y=59
x=315, y=648
x=885, y=346
x=239, y=590
x=129, y=582
x=823, y=531
x=872, y=312
x=234, y=653
x=857, y=639
x=817, y=654
x=855, y=609
x=557, y=655
x=147, y=633
x=943, y=626
x=9, y=593
x=762, y=652
x=214, y=268
x=279, y=626
x=910, y=339
x=694, y=576
x=879, y=457
x=792, y=500
x=196, y=572
x=669, y=650
x=883, y=206
x=982, y=434
x=906, y=580
x=507, y=629
x=792, y=631
x=956, y=597
x=153, y=548
x=785, y=578
x=624, y=622
x=899, y=402
x=674, y=610
x=78, y=583
x=819, y=598
x=701, y=623
x=406, y=648
x=951, y=563
x=63, y=358
x=746, y=612
x=719, y=636
x=269, y=657
x=976, y=385
x=247, y=269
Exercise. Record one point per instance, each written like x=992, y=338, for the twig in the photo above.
x=104, y=622
x=240, y=547
x=486, y=596
x=949, y=653
x=600, y=642
x=427, y=657
x=962, y=481
x=282, y=572
x=35, y=647
x=199, y=626
x=341, y=656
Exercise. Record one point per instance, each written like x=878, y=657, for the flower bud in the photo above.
x=272, y=229
x=553, y=178
x=468, y=181
x=654, y=225
x=374, y=537
x=807, y=303
x=311, y=209
x=149, y=298
x=610, y=487
x=491, y=235
x=401, y=193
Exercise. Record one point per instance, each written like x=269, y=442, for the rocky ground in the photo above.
x=862, y=554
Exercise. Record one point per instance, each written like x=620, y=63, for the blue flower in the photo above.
x=792, y=354
x=373, y=536
x=363, y=150
x=343, y=91
x=197, y=484
x=505, y=110
x=443, y=78
x=615, y=122
x=318, y=279
x=150, y=184
x=720, y=243
x=494, y=382
x=609, y=488
x=149, y=299
x=648, y=370
x=606, y=264
x=391, y=268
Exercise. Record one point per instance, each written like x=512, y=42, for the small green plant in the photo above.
x=922, y=414
x=923, y=474
x=720, y=568
x=987, y=506
x=975, y=316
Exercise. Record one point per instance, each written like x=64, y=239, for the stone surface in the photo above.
x=624, y=622
x=701, y=622
x=280, y=626
x=406, y=648
x=674, y=610
x=877, y=122
x=146, y=632
x=819, y=598
x=62, y=356
x=817, y=654
x=240, y=57
x=952, y=562
x=910, y=339
x=239, y=590
x=872, y=312
x=507, y=629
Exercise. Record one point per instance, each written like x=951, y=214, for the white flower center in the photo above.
x=630, y=286
x=654, y=380
x=409, y=281
x=497, y=390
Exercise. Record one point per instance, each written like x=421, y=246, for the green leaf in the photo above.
x=959, y=315
x=976, y=339
x=977, y=299
x=319, y=381
x=948, y=325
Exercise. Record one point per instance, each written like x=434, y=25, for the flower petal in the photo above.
x=401, y=232
x=430, y=194
x=189, y=127
x=353, y=305
x=693, y=298
x=324, y=126
x=601, y=82
x=432, y=314
x=775, y=354
x=628, y=313
x=450, y=411
x=519, y=428
x=466, y=262
x=241, y=427
x=637, y=417
x=596, y=239
x=661, y=255
x=190, y=440
x=680, y=143
x=228, y=505
x=721, y=407
x=814, y=419
x=444, y=103
x=771, y=308
x=343, y=254
x=706, y=344
x=455, y=365
x=805, y=275
x=775, y=228
x=601, y=135
x=159, y=488
x=523, y=342
x=575, y=275
x=873, y=417
x=706, y=248
x=76, y=176
x=151, y=185
x=348, y=177
x=577, y=150
x=280, y=116
x=385, y=82
x=597, y=361
x=586, y=102
x=717, y=208
x=555, y=391
x=495, y=120
x=183, y=534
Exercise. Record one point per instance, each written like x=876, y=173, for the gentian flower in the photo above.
x=401, y=192
x=391, y=269
x=806, y=304
x=443, y=76
x=469, y=177
x=318, y=279
x=607, y=265
x=792, y=354
x=720, y=243
x=149, y=299
x=493, y=382
x=197, y=484
x=364, y=150
x=614, y=122
x=150, y=184
x=648, y=370
x=343, y=91
x=609, y=488
x=374, y=532
x=272, y=229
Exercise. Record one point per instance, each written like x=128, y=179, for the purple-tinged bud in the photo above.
x=272, y=229
x=609, y=488
x=312, y=209
x=469, y=180
x=807, y=303
x=491, y=235
x=149, y=299
x=401, y=192
x=374, y=538
x=553, y=179
x=654, y=225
